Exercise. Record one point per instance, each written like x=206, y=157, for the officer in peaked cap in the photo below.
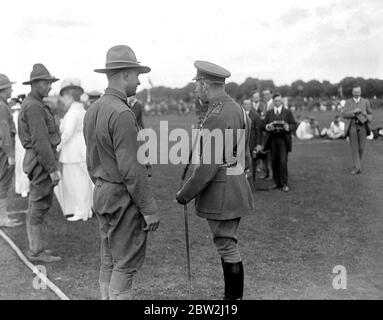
x=221, y=191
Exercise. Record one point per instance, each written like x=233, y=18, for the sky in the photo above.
x=269, y=39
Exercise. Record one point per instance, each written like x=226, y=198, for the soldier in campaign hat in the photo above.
x=7, y=150
x=221, y=195
x=122, y=200
x=40, y=136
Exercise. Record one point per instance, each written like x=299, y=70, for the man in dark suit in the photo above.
x=279, y=123
x=357, y=112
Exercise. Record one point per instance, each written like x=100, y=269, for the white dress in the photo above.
x=75, y=190
x=21, y=179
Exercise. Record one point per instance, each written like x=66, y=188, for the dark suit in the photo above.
x=279, y=144
x=256, y=134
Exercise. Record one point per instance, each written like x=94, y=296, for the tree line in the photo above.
x=370, y=88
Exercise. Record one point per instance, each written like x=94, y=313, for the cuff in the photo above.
x=149, y=208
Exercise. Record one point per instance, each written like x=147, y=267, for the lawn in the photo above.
x=290, y=244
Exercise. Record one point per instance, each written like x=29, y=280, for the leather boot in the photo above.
x=104, y=290
x=36, y=250
x=233, y=275
x=5, y=221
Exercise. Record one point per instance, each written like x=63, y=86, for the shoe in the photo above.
x=233, y=275
x=274, y=186
x=286, y=188
x=42, y=256
x=355, y=171
x=75, y=218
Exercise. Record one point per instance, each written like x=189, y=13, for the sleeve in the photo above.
x=38, y=129
x=368, y=110
x=6, y=136
x=124, y=134
x=291, y=121
x=67, y=128
x=204, y=172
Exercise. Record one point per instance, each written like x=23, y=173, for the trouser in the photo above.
x=279, y=157
x=225, y=239
x=357, y=135
x=6, y=174
x=123, y=239
x=39, y=202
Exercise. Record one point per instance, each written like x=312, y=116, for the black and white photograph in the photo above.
x=200, y=151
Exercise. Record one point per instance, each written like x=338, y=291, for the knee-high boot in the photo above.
x=234, y=276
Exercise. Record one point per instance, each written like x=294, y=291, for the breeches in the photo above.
x=225, y=239
x=123, y=239
x=6, y=174
x=40, y=195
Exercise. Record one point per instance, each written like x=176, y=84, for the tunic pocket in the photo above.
x=212, y=198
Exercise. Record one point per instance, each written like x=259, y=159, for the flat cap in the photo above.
x=211, y=72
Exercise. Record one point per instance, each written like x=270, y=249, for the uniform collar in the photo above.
x=116, y=93
x=35, y=96
x=220, y=98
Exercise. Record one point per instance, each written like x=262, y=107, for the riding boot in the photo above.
x=233, y=275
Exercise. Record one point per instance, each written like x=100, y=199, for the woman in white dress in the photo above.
x=75, y=190
x=21, y=179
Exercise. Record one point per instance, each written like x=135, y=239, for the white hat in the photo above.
x=70, y=83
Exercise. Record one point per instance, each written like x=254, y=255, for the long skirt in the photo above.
x=75, y=190
x=21, y=179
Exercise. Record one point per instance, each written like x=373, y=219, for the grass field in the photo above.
x=290, y=244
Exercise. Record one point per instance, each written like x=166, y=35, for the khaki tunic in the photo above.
x=218, y=195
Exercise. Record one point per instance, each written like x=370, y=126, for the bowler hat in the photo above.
x=39, y=72
x=71, y=84
x=122, y=57
x=4, y=82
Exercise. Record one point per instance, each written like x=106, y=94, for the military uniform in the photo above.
x=122, y=195
x=7, y=148
x=39, y=135
x=7, y=151
x=221, y=198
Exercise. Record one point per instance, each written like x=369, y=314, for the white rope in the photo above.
x=35, y=270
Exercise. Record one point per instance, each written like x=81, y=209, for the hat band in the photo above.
x=121, y=64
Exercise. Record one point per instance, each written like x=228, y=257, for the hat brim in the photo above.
x=8, y=85
x=141, y=69
x=37, y=79
x=71, y=87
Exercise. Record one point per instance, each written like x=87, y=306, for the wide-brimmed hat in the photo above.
x=5, y=82
x=39, y=72
x=122, y=57
x=72, y=83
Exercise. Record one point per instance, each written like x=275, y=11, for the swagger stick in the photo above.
x=186, y=218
